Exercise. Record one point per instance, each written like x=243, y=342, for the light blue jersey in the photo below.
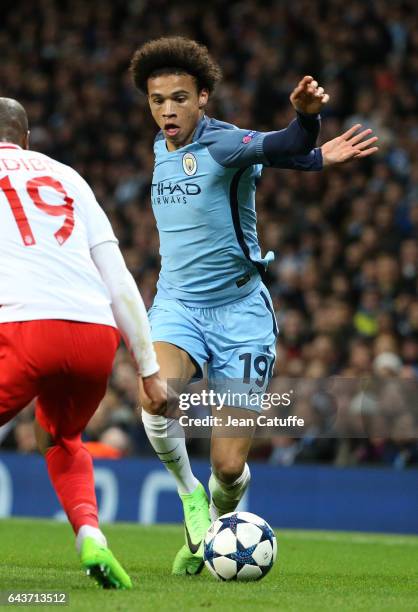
x=211, y=301
x=203, y=197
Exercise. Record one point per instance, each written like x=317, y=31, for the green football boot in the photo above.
x=189, y=559
x=100, y=564
x=186, y=564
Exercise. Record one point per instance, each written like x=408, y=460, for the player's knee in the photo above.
x=228, y=469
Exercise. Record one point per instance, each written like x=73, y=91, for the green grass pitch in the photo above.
x=314, y=571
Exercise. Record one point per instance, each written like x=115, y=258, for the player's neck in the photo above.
x=7, y=139
x=171, y=146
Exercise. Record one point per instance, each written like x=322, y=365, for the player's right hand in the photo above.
x=155, y=391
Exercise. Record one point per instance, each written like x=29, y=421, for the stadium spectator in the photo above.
x=345, y=278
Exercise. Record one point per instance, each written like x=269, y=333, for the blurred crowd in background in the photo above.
x=344, y=282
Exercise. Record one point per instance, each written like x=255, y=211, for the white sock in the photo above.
x=224, y=497
x=91, y=532
x=167, y=439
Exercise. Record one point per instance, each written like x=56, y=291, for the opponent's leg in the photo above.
x=70, y=469
x=18, y=384
x=230, y=473
x=65, y=405
x=167, y=438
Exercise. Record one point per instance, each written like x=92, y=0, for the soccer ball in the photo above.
x=240, y=546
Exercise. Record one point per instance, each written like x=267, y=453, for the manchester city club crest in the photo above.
x=189, y=164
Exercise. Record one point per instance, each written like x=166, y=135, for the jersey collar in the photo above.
x=9, y=145
x=200, y=128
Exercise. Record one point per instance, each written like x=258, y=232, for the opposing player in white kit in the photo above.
x=64, y=289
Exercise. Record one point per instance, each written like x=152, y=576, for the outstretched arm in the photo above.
x=131, y=317
x=243, y=148
x=126, y=301
x=346, y=147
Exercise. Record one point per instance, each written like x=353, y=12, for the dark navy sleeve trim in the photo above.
x=298, y=138
x=308, y=163
x=311, y=123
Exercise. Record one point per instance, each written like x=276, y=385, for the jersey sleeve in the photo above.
x=242, y=148
x=237, y=148
x=307, y=163
x=98, y=225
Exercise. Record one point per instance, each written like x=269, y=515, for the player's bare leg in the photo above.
x=70, y=469
x=230, y=473
x=167, y=438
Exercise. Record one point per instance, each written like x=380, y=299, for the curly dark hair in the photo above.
x=174, y=55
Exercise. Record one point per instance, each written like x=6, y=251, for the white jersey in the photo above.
x=49, y=222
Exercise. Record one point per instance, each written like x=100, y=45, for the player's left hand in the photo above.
x=349, y=146
x=308, y=97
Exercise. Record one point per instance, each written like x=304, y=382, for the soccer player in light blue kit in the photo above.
x=212, y=307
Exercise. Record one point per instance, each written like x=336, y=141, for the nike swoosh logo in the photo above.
x=192, y=547
x=171, y=460
x=199, y=569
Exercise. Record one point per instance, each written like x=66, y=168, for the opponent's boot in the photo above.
x=100, y=564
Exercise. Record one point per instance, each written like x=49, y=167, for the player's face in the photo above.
x=176, y=106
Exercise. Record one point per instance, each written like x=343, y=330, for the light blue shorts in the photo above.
x=237, y=341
